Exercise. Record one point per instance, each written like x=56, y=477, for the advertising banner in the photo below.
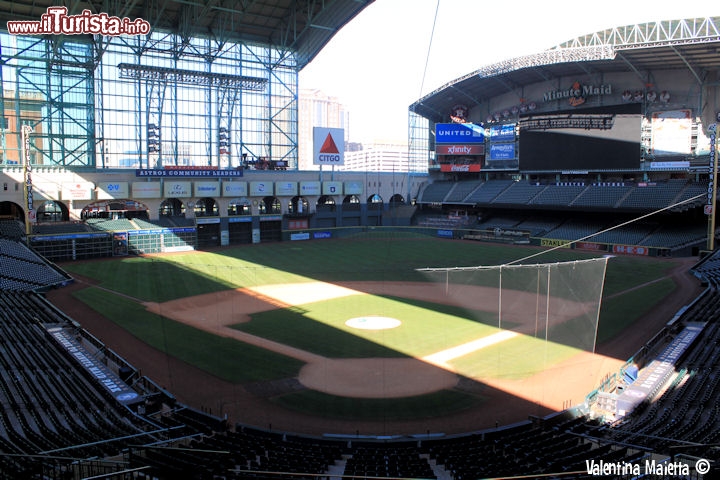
x=681, y=165
x=177, y=189
x=112, y=190
x=630, y=250
x=120, y=244
x=332, y=188
x=501, y=151
x=48, y=191
x=502, y=133
x=461, y=133
x=234, y=189
x=554, y=242
x=95, y=367
x=310, y=188
x=328, y=146
x=146, y=190
x=353, y=188
x=460, y=149
x=77, y=191
x=590, y=246
x=297, y=224
x=286, y=189
x=261, y=189
x=449, y=167
x=206, y=189
x=187, y=172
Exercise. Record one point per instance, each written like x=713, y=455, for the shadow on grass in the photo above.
x=226, y=358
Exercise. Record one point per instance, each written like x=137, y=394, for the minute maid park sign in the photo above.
x=577, y=93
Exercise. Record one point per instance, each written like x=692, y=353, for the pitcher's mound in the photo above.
x=376, y=377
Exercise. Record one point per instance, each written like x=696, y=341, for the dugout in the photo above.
x=75, y=246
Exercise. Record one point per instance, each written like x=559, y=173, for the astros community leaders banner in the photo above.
x=328, y=146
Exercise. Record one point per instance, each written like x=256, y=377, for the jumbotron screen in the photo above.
x=602, y=138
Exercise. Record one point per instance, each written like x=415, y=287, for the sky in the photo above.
x=376, y=64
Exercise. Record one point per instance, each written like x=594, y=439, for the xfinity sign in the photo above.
x=459, y=133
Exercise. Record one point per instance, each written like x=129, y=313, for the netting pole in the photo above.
x=547, y=315
x=599, y=305
x=537, y=302
x=500, y=299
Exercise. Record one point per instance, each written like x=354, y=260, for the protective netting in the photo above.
x=553, y=308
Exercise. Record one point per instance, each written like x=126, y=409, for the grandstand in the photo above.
x=52, y=416
x=70, y=407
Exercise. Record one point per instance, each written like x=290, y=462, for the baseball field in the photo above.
x=347, y=336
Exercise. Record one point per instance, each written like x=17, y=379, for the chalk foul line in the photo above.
x=442, y=358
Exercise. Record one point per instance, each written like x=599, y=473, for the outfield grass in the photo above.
x=620, y=312
x=162, y=278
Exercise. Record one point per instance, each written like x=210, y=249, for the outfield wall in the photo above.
x=508, y=237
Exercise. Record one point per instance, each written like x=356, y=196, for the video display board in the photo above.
x=501, y=149
x=601, y=138
x=672, y=132
x=502, y=133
